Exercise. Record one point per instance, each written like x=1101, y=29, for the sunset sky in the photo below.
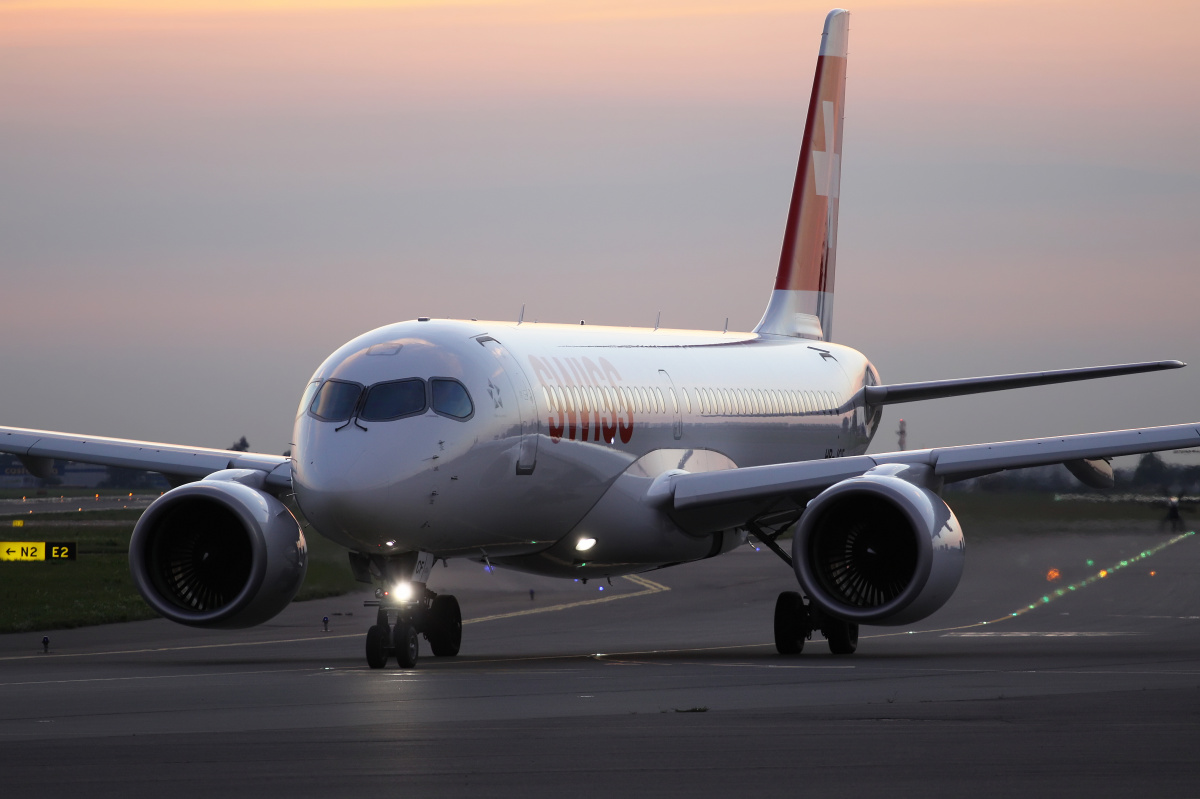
x=200, y=200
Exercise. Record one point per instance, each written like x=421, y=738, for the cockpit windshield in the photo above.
x=341, y=400
x=336, y=401
x=386, y=401
x=450, y=398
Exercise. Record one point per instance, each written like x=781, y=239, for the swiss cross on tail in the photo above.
x=802, y=302
x=827, y=164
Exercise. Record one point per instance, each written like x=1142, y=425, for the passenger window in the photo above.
x=450, y=398
x=391, y=400
x=336, y=400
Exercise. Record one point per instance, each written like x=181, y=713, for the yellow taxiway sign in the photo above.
x=37, y=550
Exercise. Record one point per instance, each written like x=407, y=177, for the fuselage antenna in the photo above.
x=521, y=318
x=726, y=330
x=657, y=320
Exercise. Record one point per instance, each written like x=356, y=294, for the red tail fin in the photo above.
x=802, y=302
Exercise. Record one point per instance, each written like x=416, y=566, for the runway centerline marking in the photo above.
x=649, y=587
x=153, y=677
x=1021, y=634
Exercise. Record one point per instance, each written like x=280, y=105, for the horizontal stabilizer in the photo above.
x=937, y=389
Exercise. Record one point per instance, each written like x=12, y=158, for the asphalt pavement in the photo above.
x=1064, y=665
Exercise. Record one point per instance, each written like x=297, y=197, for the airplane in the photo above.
x=584, y=452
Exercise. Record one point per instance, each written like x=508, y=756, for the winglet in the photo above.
x=802, y=302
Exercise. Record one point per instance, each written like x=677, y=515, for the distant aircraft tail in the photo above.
x=802, y=302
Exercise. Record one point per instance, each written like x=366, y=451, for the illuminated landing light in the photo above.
x=403, y=591
x=390, y=543
x=585, y=544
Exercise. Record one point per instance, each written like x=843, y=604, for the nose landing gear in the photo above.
x=435, y=616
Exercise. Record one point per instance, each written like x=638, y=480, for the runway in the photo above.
x=667, y=685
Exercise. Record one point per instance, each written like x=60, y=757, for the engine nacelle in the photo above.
x=218, y=552
x=878, y=549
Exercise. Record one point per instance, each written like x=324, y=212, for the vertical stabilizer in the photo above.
x=802, y=302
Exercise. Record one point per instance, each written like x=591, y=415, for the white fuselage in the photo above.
x=569, y=428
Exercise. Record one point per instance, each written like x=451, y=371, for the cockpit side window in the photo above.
x=391, y=400
x=307, y=397
x=450, y=398
x=336, y=401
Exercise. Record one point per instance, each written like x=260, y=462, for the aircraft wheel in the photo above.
x=792, y=624
x=404, y=641
x=842, y=636
x=445, y=628
x=377, y=647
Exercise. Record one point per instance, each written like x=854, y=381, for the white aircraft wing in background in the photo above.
x=37, y=450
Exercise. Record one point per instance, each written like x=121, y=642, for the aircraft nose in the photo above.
x=364, y=485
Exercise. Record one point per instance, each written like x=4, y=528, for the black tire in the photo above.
x=404, y=641
x=791, y=623
x=377, y=647
x=842, y=636
x=445, y=627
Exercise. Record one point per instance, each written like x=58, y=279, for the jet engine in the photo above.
x=218, y=553
x=878, y=549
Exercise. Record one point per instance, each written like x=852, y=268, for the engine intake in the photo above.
x=878, y=549
x=218, y=553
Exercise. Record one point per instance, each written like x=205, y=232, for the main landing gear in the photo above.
x=795, y=622
x=435, y=616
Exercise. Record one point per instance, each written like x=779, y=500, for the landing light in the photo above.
x=403, y=591
x=585, y=544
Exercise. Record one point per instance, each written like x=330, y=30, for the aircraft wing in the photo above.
x=37, y=449
x=710, y=501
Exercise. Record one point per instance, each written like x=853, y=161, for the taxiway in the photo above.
x=663, y=685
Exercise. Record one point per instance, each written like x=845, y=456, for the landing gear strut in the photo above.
x=795, y=622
